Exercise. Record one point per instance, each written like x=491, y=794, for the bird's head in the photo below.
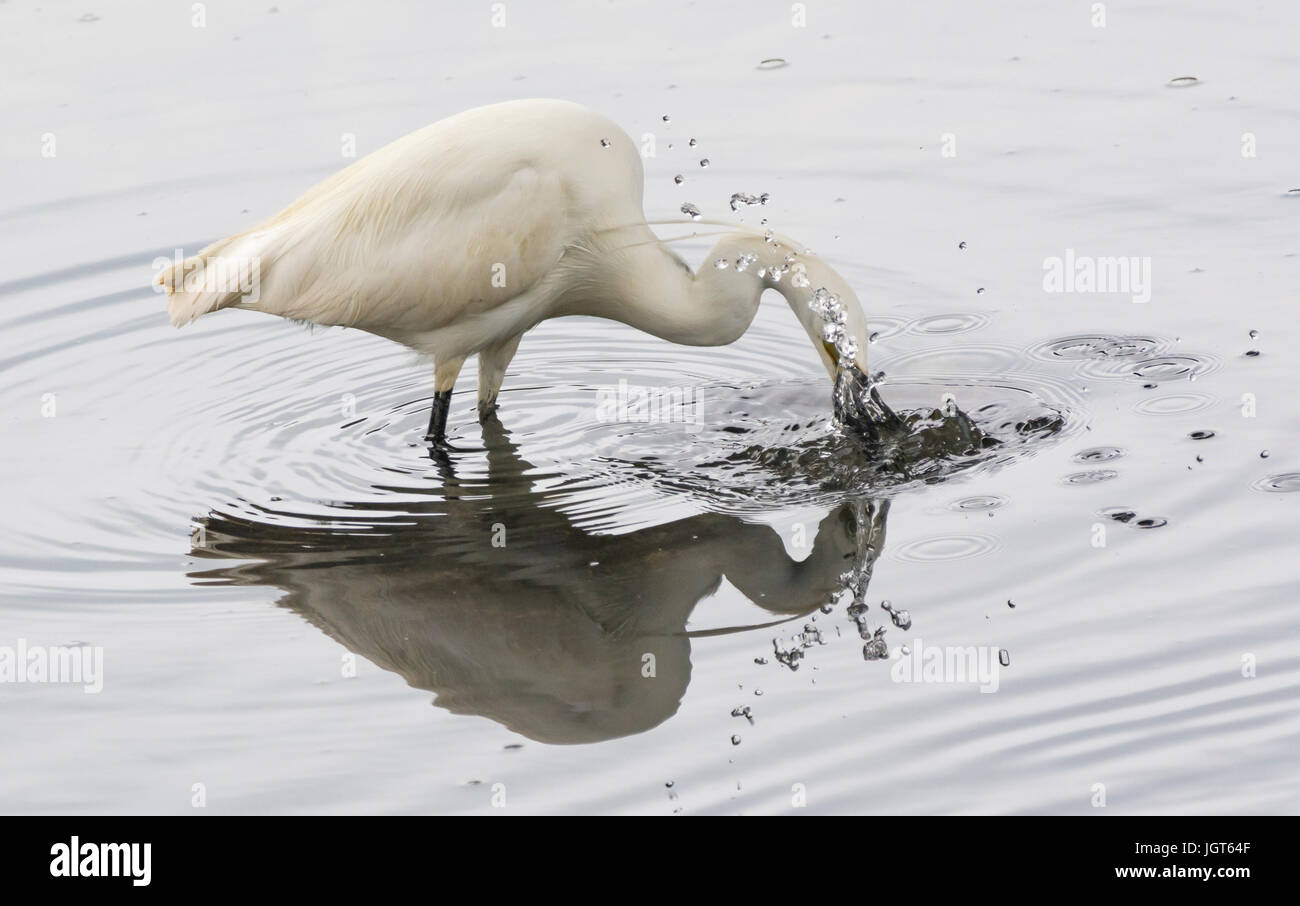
x=823, y=301
x=831, y=315
x=653, y=289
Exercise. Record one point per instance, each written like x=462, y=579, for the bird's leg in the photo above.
x=438, y=416
x=492, y=363
x=444, y=379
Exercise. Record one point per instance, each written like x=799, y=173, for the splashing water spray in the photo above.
x=857, y=400
x=869, y=534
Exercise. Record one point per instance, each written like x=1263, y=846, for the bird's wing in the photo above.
x=418, y=235
x=414, y=238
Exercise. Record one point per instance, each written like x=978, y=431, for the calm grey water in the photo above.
x=329, y=544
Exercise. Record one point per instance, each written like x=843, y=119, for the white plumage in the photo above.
x=459, y=237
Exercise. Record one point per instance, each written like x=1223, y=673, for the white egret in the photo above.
x=459, y=237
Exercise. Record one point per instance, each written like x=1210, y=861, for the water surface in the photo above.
x=241, y=516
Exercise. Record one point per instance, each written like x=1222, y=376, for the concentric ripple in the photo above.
x=1119, y=357
x=946, y=547
x=1094, y=476
x=1173, y=368
x=962, y=322
x=1099, y=454
x=1086, y=348
x=1282, y=483
x=978, y=504
x=882, y=326
x=274, y=425
x=1175, y=404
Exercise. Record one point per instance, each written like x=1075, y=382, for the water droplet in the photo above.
x=1254, y=334
x=1004, y=658
x=1119, y=514
x=887, y=606
x=1201, y=435
x=735, y=740
x=679, y=179
x=1263, y=454
x=877, y=649
x=980, y=291
x=875, y=335
x=1183, y=81
x=902, y=619
x=773, y=63
x=704, y=162
x=604, y=143
x=744, y=199
x=744, y=261
x=720, y=264
x=1151, y=522
x=691, y=211
x=822, y=301
x=666, y=118
x=961, y=245
x=691, y=143
x=1011, y=605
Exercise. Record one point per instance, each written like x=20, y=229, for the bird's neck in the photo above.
x=653, y=290
x=645, y=285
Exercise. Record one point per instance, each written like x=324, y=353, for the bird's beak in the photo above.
x=816, y=275
x=855, y=325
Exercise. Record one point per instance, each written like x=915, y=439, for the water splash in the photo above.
x=743, y=199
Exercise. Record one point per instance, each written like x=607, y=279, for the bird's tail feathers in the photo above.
x=224, y=274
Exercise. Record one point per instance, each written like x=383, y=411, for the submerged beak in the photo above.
x=857, y=403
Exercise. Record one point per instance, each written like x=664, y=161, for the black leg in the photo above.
x=438, y=416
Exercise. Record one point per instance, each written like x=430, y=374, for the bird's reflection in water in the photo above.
x=553, y=633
